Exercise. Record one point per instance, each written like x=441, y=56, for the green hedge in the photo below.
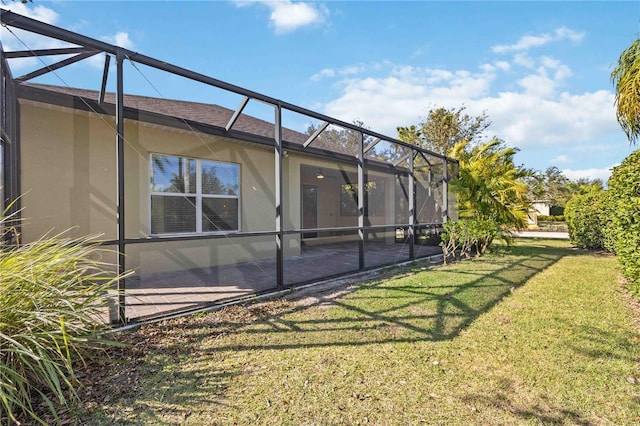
x=553, y=218
x=587, y=216
x=624, y=227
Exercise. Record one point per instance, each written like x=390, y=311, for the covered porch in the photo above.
x=208, y=199
x=166, y=293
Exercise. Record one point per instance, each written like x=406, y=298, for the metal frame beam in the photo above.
x=361, y=205
x=120, y=224
x=445, y=192
x=89, y=47
x=315, y=134
x=404, y=158
x=105, y=76
x=28, y=24
x=237, y=113
x=45, y=52
x=57, y=65
x=412, y=208
x=279, y=197
x=10, y=145
x=372, y=144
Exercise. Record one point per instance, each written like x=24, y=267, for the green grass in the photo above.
x=534, y=334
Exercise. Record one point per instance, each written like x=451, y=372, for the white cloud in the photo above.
x=39, y=12
x=529, y=41
x=527, y=119
x=524, y=60
x=345, y=71
x=20, y=38
x=287, y=16
x=561, y=159
x=16, y=39
x=592, y=173
x=323, y=73
x=120, y=39
x=352, y=69
x=503, y=65
x=401, y=97
x=538, y=85
x=536, y=115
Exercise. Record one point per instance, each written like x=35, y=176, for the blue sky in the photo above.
x=540, y=70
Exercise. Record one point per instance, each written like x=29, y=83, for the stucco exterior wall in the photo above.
x=69, y=183
x=68, y=173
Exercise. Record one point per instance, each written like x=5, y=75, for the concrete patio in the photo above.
x=163, y=294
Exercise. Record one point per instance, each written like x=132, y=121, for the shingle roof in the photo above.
x=210, y=114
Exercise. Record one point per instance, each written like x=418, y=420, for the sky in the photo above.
x=540, y=70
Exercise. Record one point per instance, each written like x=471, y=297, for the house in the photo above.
x=223, y=203
x=538, y=208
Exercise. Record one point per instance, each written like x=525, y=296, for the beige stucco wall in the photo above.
x=69, y=183
x=68, y=173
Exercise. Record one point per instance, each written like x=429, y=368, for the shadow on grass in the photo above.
x=544, y=411
x=600, y=343
x=415, y=305
x=167, y=397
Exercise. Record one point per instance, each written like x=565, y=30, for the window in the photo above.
x=193, y=196
x=373, y=200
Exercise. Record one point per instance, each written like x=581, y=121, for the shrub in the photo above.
x=556, y=218
x=469, y=237
x=52, y=296
x=624, y=227
x=587, y=216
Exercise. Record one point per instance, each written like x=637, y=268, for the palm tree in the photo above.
x=489, y=185
x=626, y=79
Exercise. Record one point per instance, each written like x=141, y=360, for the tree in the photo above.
x=489, y=185
x=626, y=79
x=442, y=129
x=550, y=185
x=338, y=137
x=583, y=186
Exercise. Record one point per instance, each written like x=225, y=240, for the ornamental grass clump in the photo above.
x=53, y=301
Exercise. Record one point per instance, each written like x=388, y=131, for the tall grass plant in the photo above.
x=54, y=294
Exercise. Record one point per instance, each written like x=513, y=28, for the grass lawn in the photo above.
x=534, y=334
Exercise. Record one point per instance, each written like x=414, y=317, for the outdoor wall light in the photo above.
x=319, y=175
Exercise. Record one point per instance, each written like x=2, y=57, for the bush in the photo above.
x=557, y=218
x=53, y=295
x=624, y=227
x=469, y=237
x=587, y=216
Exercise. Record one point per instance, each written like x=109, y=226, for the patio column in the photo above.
x=445, y=192
x=278, y=197
x=120, y=223
x=361, y=212
x=10, y=147
x=412, y=206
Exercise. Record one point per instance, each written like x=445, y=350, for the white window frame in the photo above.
x=198, y=195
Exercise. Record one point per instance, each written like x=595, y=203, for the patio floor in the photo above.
x=162, y=294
